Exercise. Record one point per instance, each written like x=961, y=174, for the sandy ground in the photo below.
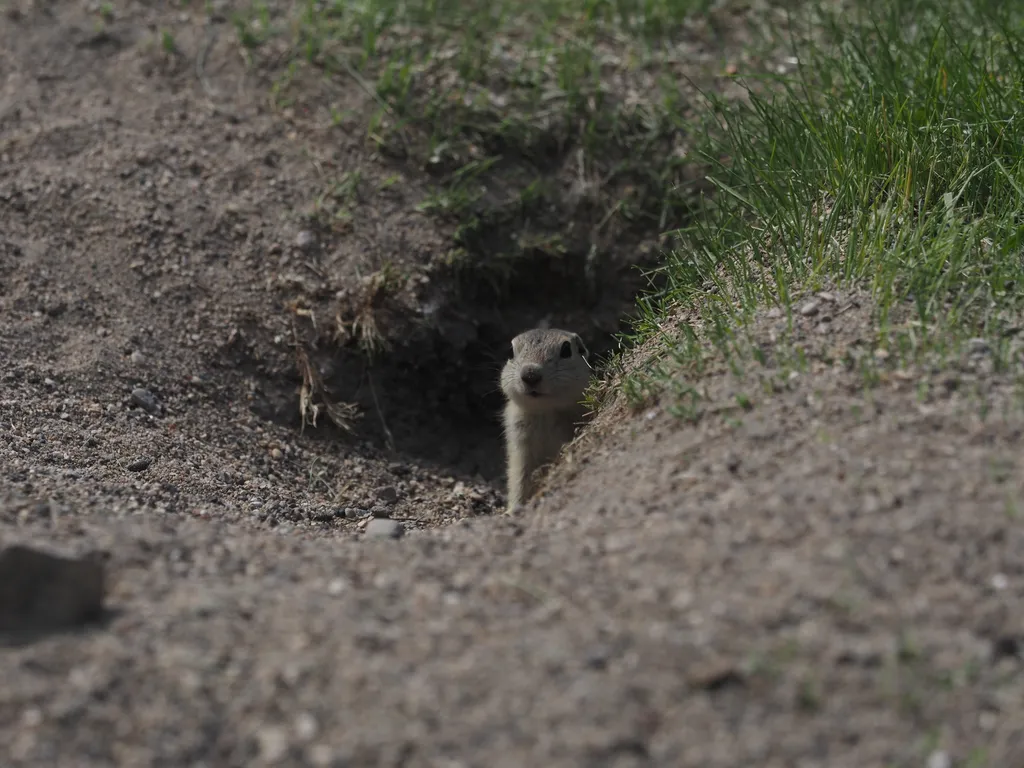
x=830, y=578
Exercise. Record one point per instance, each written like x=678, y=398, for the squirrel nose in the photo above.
x=530, y=376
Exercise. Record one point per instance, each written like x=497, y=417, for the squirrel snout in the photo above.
x=531, y=376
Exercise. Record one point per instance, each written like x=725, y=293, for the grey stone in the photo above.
x=810, y=308
x=388, y=494
x=382, y=528
x=145, y=399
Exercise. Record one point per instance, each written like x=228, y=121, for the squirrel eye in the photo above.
x=566, y=349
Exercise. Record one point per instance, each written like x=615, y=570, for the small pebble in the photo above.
x=137, y=358
x=141, y=463
x=810, y=308
x=388, y=494
x=49, y=383
x=145, y=399
x=276, y=454
x=354, y=513
x=939, y=759
x=321, y=755
x=988, y=721
x=306, y=726
x=381, y=528
x=999, y=581
x=32, y=718
x=305, y=240
x=273, y=743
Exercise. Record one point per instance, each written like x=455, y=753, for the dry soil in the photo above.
x=805, y=574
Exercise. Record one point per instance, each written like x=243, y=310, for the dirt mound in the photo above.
x=799, y=585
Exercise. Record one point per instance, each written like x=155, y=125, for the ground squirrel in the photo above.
x=544, y=380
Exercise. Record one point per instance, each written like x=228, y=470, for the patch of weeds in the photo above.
x=319, y=476
x=809, y=695
x=547, y=131
x=362, y=317
x=334, y=206
x=314, y=397
x=253, y=27
x=890, y=160
x=167, y=43
x=638, y=390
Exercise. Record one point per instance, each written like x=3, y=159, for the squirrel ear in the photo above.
x=580, y=346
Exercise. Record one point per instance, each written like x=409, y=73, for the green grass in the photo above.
x=890, y=160
x=544, y=128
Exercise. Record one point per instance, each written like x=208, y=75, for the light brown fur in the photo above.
x=544, y=390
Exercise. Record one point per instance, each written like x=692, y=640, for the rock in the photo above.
x=137, y=358
x=49, y=383
x=305, y=240
x=379, y=510
x=141, y=463
x=273, y=742
x=382, y=528
x=388, y=494
x=810, y=308
x=977, y=347
x=939, y=759
x=355, y=513
x=145, y=399
x=306, y=726
x=41, y=592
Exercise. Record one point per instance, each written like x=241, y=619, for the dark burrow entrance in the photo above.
x=432, y=396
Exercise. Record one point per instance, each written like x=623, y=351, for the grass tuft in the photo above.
x=889, y=160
